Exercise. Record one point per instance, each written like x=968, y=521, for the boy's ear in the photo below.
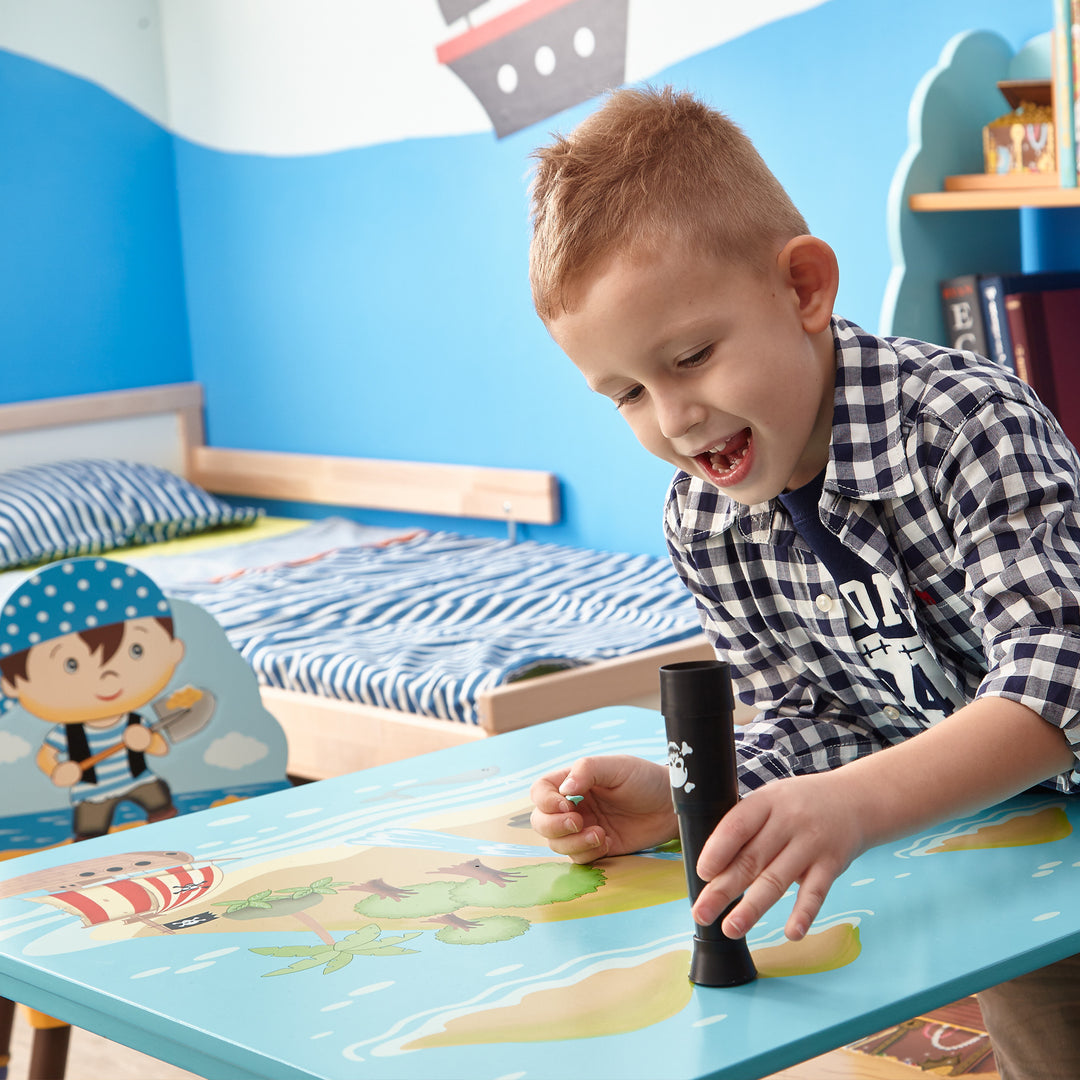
x=809, y=266
x=8, y=688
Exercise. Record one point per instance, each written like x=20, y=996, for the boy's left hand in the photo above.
x=803, y=830
x=808, y=829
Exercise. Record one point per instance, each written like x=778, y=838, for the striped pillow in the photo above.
x=84, y=507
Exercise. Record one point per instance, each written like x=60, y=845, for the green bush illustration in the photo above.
x=543, y=883
x=484, y=931
x=524, y=887
x=428, y=898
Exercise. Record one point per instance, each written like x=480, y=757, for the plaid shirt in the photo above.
x=947, y=475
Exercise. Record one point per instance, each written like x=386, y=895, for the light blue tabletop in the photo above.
x=406, y=922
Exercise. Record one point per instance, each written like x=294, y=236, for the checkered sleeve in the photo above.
x=1008, y=485
x=772, y=747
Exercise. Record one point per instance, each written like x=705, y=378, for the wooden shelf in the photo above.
x=981, y=192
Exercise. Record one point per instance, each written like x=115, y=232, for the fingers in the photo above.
x=546, y=796
x=552, y=793
x=765, y=891
x=566, y=833
x=756, y=889
x=752, y=862
x=812, y=893
x=745, y=822
x=583, y=847
x=554, y=817
x=557, y=797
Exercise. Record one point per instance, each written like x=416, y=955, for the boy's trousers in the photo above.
x=1034, y=1023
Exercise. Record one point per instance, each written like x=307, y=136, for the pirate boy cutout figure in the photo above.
x=86, y=645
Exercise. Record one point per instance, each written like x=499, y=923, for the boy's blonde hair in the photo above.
x=651, y=165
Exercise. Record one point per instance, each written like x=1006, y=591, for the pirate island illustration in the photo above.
x=120, y=706
x=535, y=59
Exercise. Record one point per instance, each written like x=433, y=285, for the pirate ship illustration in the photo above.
x=133, y=888
x=536, y=58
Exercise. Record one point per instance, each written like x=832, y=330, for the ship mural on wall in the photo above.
x=536, y=58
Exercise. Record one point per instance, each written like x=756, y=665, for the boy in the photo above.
x=882, y=536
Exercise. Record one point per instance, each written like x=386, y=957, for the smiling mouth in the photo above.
x=721, y=462
x=109, y=697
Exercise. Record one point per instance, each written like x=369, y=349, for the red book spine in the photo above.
x=1061, y=322
x=1028, y=332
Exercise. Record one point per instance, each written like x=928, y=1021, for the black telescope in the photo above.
x=697, y=704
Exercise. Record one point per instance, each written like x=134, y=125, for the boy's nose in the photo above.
x=677, y=413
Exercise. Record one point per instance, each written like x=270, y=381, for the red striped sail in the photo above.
x=126, y=898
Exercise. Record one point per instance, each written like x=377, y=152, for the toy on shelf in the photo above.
x=1022, y=140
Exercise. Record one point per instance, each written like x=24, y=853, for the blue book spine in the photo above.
x=998, y=340
x=1064, y=93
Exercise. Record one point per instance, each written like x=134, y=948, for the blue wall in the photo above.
x=375, y=301
x=91, y=283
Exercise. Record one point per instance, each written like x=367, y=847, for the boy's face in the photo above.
x=66, y=683
x=712, y=364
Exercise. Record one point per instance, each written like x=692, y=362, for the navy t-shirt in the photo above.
x=886, y=638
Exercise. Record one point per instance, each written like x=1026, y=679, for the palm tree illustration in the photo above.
x=329, y=954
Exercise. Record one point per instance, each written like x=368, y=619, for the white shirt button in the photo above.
x=824, y=602
x=892, y=712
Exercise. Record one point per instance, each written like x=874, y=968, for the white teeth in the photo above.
x=719, y=448
x=732, y=462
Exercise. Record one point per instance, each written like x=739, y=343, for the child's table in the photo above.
x=406, y=922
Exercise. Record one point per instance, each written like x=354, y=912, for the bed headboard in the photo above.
x=158, y=425
x=163, y=425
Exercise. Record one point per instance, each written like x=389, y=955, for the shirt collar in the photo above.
x=866, y=451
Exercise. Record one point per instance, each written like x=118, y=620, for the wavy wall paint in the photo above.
x=343, y=263
x=292, y=77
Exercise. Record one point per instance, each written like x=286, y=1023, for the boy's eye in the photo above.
x=135, y=651
x=71, y=665
x=629, y=397
x=698, y=358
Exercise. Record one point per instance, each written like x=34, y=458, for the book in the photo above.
x=1061, y=324
x=1027, y=330
x=995, y=287
x=1046, y=332
x=999, y=341
x=1076, y=80
x=962, y=307
x=1063, y=82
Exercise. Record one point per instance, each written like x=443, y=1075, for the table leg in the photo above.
x=7, y=1019
x=49, y=1053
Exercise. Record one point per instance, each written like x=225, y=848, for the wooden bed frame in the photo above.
x=163, y=425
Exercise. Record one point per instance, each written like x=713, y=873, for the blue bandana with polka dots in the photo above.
x=75, y=595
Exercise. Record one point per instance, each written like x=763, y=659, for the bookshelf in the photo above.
x=994, y=198
x=941, y=172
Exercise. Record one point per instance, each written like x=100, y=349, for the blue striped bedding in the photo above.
x=423, y=625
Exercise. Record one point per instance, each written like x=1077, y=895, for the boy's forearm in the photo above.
x=985, y=752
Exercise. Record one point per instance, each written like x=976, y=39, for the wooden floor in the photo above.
x=849, y=1065
x=94, y=1058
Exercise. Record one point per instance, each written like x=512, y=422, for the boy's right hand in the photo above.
x=626, y=807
